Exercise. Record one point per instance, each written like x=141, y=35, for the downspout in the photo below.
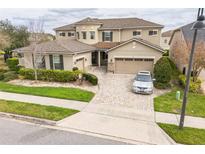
x=119, y=35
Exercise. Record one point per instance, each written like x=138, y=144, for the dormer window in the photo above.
x=62, y=34
x=153, y=32
x=84, y=35
x=71, y=34
x=107, y=36
x=136, y=33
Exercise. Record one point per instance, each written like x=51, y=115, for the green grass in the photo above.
x=35, y=110
x=168, y=103
x=186, y=135
x=56, y=92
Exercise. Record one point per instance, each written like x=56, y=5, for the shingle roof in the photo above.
x=106, y=45
x=188, y=33
x=69, y=46
x=113, y=23
x=167, y=33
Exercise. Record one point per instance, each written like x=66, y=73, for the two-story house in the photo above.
x=124, y=45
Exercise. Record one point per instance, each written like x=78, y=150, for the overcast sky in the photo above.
x=170, y=18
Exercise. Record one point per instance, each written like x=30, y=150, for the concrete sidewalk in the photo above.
x=142, y=132
x=195, y=122
x=71, y=104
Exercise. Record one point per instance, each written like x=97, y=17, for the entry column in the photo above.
x=98, y=58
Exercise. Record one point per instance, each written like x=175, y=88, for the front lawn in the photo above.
x=56, y=92
x=35, y=110
x=185, y=136
x=168, y=103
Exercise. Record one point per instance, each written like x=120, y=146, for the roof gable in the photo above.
x=141, y=41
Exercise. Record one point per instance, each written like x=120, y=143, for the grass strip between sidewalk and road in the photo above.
x=168, y=103
x=35, y=110
x=55, y=92
x=187, y=135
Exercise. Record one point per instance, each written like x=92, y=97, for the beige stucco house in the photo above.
x=123, y=45
x=165, y=38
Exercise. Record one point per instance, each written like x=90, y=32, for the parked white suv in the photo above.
x=143, y=83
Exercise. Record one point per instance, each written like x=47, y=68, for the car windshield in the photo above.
x=143, y=78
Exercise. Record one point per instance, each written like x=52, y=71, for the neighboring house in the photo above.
x=124, y=45
x=165, y=38
x=180, y=46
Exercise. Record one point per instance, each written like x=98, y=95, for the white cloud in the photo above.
x=170, y=18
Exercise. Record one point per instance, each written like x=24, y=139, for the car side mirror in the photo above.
x=153, y=79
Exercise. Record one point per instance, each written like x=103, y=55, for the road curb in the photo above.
x=28, y=119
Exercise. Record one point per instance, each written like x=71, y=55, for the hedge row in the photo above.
x=57, y=75
x=194, y=86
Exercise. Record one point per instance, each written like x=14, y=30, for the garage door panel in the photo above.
x=133, y=65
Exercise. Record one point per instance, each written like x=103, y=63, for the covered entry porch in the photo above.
x=99, y=58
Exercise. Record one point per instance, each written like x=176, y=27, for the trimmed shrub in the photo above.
x=162, y=85
x=11, y=75
x=194, y=86
x=75, y=68
x=166, y=53
x=163, y=71
x=57, y=75
x=13, y=64
x=91, y=78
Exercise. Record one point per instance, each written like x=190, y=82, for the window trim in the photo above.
x=53, y=64
x=137, y=31
x=72, y=34
x=153, y=32
x=84, y=32
x=60, y=34
x=110, y=37
x=92, y=35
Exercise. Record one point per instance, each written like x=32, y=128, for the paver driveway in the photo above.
x=116, y=111
x=116, y=98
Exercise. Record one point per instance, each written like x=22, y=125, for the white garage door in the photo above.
x=133, y=65
x=80, y=63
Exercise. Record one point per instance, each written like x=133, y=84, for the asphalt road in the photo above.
x=15, y=132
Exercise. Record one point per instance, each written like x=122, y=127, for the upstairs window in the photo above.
x=107, y=36
x=153, y=32
x=84, y=35
x=136, y=33
x=92, y=35
x=62, y=34
x=71, y=34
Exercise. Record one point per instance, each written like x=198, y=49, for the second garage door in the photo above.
x=133, y=65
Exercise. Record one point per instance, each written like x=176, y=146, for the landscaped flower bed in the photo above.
x=57, y=75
